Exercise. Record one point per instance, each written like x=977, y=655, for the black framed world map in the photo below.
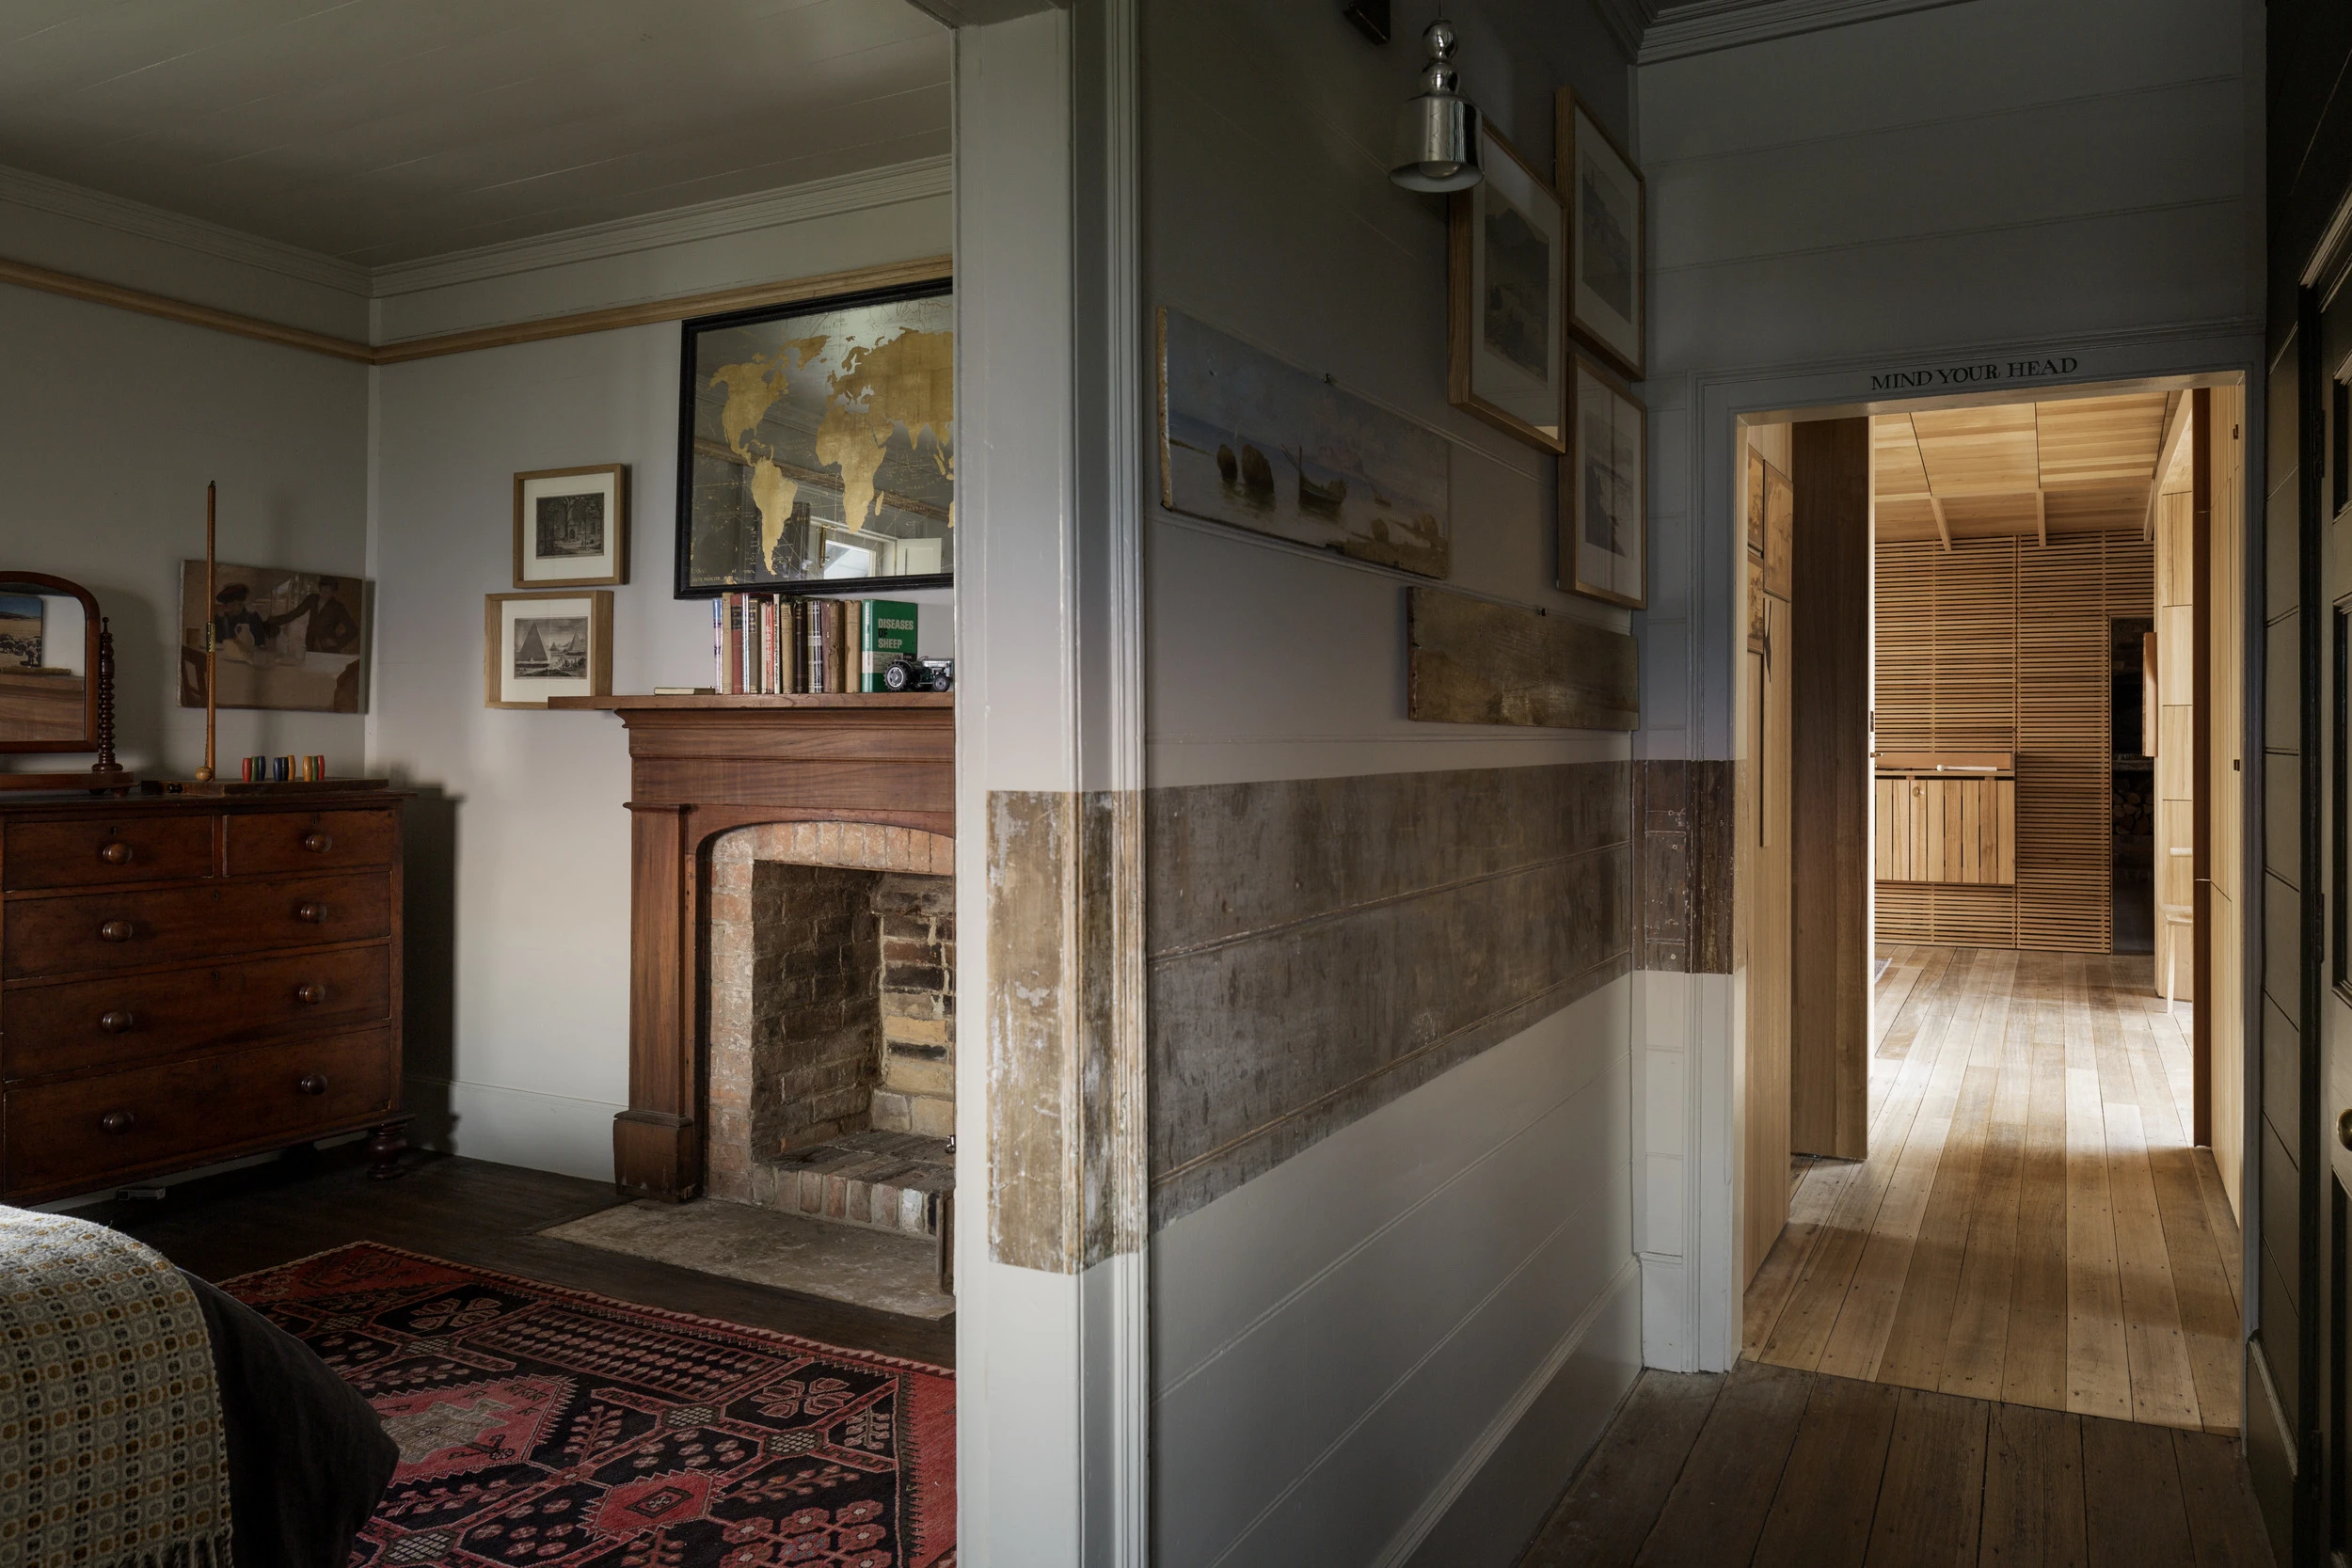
x=816, y=446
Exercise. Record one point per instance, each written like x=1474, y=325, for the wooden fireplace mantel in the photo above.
x=699, y=767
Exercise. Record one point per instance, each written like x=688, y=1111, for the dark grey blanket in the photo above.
x=308, y=1460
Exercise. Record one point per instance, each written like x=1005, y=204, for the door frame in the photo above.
x=1706, y=1312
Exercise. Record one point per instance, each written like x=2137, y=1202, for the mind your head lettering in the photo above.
x=1984, y=373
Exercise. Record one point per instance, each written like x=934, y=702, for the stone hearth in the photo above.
x=891, y=1181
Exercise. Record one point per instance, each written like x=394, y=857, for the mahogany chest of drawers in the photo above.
x=189, y=979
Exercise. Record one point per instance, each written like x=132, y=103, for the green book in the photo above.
x=889, y=636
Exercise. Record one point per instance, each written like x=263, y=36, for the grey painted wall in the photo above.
x=1346, y=1337
x=518, y=878
x=110, y=426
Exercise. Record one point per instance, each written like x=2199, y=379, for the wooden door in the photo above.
x=2223, y=719
x=1765, y=827
x=2296, y=1357
x=2325, y=1199
x=1830, y=830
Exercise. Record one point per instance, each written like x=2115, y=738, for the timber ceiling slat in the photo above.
x=2071, y=465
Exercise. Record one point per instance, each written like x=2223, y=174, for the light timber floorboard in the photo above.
x=2031, y=1226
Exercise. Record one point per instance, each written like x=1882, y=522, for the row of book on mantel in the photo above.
x=771, y=643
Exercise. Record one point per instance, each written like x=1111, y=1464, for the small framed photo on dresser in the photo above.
x=541, y=645
x=571, y=527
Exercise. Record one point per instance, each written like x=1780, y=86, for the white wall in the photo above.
x=519, y=951
x=110, y=426
x=1988, y=182
x=1341, y=1343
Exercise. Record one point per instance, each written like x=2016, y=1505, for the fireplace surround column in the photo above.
x=700, y=765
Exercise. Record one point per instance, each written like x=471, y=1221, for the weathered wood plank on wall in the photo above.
x=1477, y=662
x=1317, y=948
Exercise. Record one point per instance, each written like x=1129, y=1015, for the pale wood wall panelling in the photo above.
x=2200, y=761
x=1946, y=681
x=1830, y=844
x=2002, y=644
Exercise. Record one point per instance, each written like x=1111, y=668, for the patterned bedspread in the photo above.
x=109, y=1407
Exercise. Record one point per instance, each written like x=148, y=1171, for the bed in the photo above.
x=148, y=1418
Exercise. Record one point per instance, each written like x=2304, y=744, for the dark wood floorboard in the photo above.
x=1617, y=1496
x=1776, y=1465
x=1829, y=1489
x=2033, y=1489
x=1717, y=1506
x=471, y=1212
x=2224, y=1521
x=2132, y=1496
x=1932, y=1493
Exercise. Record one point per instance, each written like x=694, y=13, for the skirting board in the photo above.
x=1496, y=1499
x=514, y=1127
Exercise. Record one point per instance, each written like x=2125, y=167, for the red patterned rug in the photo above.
x=564, y=1430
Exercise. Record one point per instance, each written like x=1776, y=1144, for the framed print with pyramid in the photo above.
x=542, y=646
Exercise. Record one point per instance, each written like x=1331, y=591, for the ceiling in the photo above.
x=2069, y=466
x=382, y=130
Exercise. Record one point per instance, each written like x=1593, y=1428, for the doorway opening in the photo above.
x=1990, y=902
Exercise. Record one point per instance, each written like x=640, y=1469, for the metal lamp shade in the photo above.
x=1437, y=130
x=1436, y=144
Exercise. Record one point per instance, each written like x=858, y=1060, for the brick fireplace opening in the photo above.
x=832, y=1022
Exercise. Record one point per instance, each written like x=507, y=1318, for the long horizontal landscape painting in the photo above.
x=1247, y=439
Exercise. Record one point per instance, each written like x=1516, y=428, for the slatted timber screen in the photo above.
x=2001, y=644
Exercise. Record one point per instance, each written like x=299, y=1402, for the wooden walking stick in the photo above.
x=212, y=622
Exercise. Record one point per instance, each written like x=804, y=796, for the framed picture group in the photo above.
x=571, y=532
x=1545, y=332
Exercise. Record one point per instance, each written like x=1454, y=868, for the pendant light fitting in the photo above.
x=1436, y=130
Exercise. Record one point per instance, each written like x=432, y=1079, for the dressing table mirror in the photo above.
x=57, y=681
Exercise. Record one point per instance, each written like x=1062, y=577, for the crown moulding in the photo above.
x=678, y=307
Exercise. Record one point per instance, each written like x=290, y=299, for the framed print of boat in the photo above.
x=1250, y=440
x=542, y=646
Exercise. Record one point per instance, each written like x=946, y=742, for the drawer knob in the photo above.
x=311, y=992
x=116, y=853
x=118, y=1021
x=115, y=930
x=313, y=911
x=115, y=1121
x=318, y=843
x=311, y=1083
